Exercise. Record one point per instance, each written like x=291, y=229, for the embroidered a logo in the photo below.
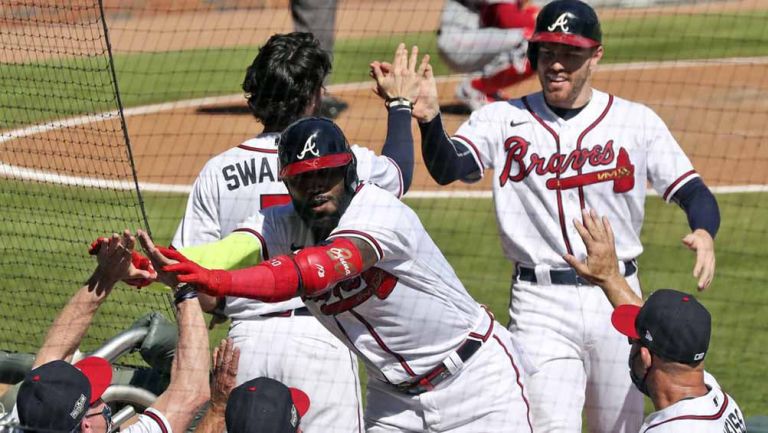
x=562, y=22
x=310, y=146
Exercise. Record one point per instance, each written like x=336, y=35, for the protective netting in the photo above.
x=66, y=170
x=701, y=66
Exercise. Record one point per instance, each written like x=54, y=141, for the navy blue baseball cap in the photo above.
x=264, y=405
x=671, y=324
x=310, y=144
x=55, y=396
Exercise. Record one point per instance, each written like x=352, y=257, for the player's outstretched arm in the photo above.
x=114, y=260
x=309, y=272
x=703, y=214
x=601, y=266
x=189, y=388
x=226, y=358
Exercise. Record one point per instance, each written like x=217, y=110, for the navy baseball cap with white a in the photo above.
x=671, y=324
x=264, y=405
x=55, y=396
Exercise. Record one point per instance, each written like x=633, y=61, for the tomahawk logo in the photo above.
x=561, y=21
x=309, y=147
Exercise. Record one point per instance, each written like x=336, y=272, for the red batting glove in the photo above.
x=173, y=254
x=214, y=282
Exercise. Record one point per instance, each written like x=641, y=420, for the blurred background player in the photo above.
x=487, y=39
x=282, y=340
x=57, y=396
x=669, y=334
x=319, y=18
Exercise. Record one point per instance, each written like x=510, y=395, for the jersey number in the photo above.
x=269, y=200
x=353, y=292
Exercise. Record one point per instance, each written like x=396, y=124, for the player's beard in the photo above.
x=566, y=98
x=322, y=224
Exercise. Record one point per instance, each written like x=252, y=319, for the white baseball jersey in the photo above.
x=548, y=169
x=405, y=315
x=715, y=412
x=244, y=180
x=151, y=421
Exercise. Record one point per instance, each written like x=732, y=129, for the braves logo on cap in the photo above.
x=561, y=21
x=309, y=147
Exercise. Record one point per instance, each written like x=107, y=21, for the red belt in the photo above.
x=431, y=379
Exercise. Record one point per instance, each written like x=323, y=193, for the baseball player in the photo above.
x=369, y=272
x=58, y=396
x=567, y=148
x=669, y=334
x=486, y=38
x=279, y=340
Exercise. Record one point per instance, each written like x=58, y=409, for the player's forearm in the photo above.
x=700, y=206
x=72, y=323
x=237, y=250
x=399, y=143
x=189, y=388
x=446, y=160
x=619, y=292
x=309, y=272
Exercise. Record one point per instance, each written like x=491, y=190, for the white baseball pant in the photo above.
x=579, y=359
x=486, y=395
x=299, y=352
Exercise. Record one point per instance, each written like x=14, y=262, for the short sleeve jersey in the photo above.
x=244, y=180
x=404, y=315
x=547, y=169
x=715, y=412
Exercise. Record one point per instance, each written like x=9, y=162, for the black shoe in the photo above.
x=331, y=107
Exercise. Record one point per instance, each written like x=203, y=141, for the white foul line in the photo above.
x=23, y=173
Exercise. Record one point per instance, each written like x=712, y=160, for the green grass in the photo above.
x=686, y=36
x=44, y=260
x=466, y=232
x=45, y=229
x=67, y=87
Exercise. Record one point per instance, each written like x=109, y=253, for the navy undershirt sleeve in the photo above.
x=700, y=206
x=447, y=160
x=399, y=143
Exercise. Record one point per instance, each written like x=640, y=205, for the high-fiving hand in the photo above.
x=401, y=79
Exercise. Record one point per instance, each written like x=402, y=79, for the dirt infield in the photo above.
x=717, y=111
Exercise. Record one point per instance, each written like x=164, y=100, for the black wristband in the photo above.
x=182, y=292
